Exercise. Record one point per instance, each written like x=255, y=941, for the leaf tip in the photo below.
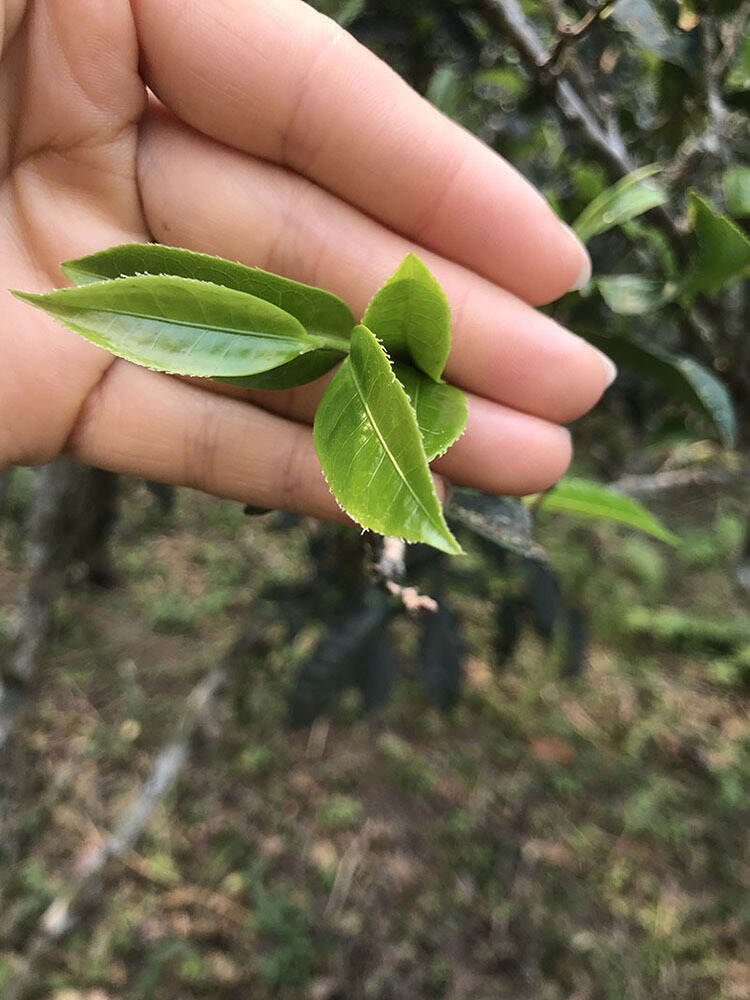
x=31, y=297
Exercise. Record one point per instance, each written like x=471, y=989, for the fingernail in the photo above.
x=609, y=367
x=584, y=275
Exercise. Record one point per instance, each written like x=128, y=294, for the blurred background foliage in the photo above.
x=538, y=793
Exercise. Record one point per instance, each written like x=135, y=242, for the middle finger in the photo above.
x=204, y=196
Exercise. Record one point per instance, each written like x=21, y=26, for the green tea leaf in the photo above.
x=180, y=325
x=445, y=90
x=349, y=11
x=440, y=409
x=738, y=78
x=633, y=294
x=721, y=251
x=371, y=450
x=318, y=311
x=303, y=369
x=625, y=200
x=411, y=318
x=641, y=19
x=737, y=187
x=589, y=499
x=679, y=375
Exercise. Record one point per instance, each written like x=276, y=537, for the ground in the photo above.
x=553, y=838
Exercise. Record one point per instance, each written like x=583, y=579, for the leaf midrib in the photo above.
x=315, y=340
x=394, y=463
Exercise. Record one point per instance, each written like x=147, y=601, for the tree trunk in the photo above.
x=73, y=513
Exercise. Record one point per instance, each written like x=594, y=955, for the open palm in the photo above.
x=262, y=132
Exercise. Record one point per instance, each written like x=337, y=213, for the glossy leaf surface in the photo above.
x=440, y=409
x=180, y=325
x=411, y=318
x=318, y=311
x=679, y=375
x=588, y=499
x=370, y=448
x=632, y=294
x=303, y=369
x=721, y=250
x=625, y=200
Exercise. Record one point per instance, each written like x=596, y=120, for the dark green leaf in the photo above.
x=588, y=499
x=633, y=294
x=625, y=200
x=440, y=409
x=370, y=448
x=679, y=375
x=379, y=670
x=504, y=521
x=576, y=642
x=721, y=251
x=336, y=662
x=349, y=12
x=318, y=311
x=306, y=368
x=180, y=325
x=445, y=90
x=738, y=78
x=411, y=317
x=737, y=186
x=441, y=657
x=641, y=19
x=543, y=597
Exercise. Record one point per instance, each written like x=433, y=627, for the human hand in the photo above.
x=277, y=140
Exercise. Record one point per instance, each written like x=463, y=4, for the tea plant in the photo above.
x=384, y=415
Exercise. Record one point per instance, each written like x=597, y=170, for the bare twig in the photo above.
x=568, y=34
x=347, y=869
x=87, y=881
x=672, y=480
x=603, y=136
x=389, y=568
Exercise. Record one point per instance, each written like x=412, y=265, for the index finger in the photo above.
x=276, y=79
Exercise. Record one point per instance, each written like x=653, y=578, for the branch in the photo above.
x=388, y=566
x=605, y=139
x=678, y=479
x=568, y=33
x=88, y=878
x=600, y=132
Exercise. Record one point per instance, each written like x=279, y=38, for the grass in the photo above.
x=552, y=838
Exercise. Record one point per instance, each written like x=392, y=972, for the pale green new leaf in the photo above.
x=625, y=200
x=411, y=317
x=633, y=294
x=721, y=251
x=180, y=325
x=737, y=187
x=318, y=311
x=588, y=499
x=679, y=375
x=440, y=409
x=370, y=448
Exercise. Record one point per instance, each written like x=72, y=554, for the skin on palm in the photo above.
x=84, y=166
